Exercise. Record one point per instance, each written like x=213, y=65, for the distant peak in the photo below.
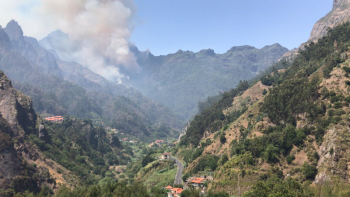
x=207, y=52
x=58, y=33
x=241, y=48
x=277, y=45
x=179, y=51
x=13, y=30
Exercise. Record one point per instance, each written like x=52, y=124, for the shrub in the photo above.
x=264, y=92
x=338, y=105
x=222, y=138
x=309, y=171
x=290, y=159
x=224, y=159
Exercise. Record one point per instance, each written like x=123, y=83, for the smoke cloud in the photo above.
x=99, y=29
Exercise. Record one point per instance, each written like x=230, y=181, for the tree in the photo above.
x=264, y=92
x=224, y=159
x=146, y=160
x=223, y=138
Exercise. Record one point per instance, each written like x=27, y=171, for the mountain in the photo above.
x=339, y=14
x=182, y=79
x=18, y=171
x=67, y=88
x=285, y=135
x=38, y=156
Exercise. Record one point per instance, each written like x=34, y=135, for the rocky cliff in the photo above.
x=340, y=13
x=17, y=121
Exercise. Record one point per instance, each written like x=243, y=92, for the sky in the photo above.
x=165, y=26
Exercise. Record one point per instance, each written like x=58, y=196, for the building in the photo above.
x=169, y=188
x=56, y=119
x=166, y=156
x=197, y=182
x=175, y=192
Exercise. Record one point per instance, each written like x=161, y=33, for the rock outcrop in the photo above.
x=18, y=120
x=339, y=14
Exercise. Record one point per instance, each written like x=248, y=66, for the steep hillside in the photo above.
x=73, y=90
x=21, y=164
x=285, y=138
x=38, y=156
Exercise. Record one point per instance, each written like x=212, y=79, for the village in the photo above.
x=198, y=183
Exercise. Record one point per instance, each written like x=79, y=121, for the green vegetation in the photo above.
x=206, y=162
x=212, y=118
x=81, y=148
x=192, y=192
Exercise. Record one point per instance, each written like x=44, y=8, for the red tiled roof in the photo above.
x=169, y=187
x=166, y=154
x=197, y=180
x=177, y=190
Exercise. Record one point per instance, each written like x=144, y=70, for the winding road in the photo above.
x=178, y=176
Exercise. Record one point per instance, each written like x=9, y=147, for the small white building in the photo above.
x=166, y=156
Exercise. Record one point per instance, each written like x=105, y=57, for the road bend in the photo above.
x=178, y=176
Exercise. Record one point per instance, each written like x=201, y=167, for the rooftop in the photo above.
x=197, y=180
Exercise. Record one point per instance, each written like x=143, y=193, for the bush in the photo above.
x=222, y=138
x=224, y=159
x=338, y=105
x=309, y=171
x=185, y=177
x=146, y=160
x=290, y=159
x=264, y=92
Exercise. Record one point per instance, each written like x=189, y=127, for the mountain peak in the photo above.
x=5, y=42
x=339, y=3
x=13, y=30
x=339, y=14
x=241, y=48
x=207, y=52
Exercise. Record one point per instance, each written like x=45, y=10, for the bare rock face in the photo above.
x=340, y=13
x=16, y=108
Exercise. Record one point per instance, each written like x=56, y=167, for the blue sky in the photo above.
x=165, y=26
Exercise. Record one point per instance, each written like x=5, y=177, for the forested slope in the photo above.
x=293, y=134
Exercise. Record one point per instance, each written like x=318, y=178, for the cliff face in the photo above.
x=17, y=121
x=340, y=13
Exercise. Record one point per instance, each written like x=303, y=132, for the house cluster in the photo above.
x=196, y=182
x=157, y=142
x=56, y=119
x=174, y=192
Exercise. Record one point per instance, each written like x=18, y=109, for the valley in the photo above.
x=250, y=122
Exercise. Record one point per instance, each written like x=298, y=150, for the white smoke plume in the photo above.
x=101, y=27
